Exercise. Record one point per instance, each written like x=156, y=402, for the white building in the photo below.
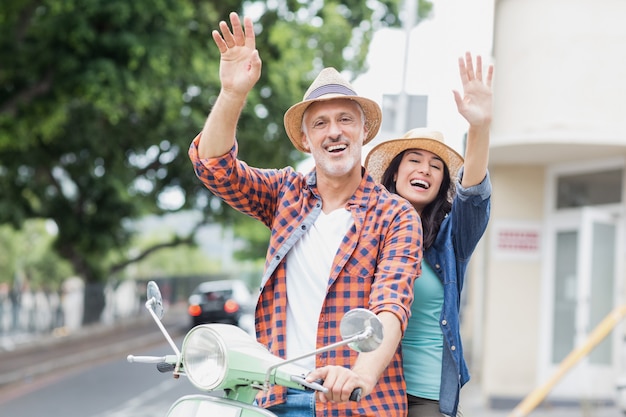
x=551, y=265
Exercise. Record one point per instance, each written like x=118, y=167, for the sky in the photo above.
x=456, y=26
x=435, y=45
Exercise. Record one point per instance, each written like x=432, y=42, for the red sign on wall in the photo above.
x=516, y=240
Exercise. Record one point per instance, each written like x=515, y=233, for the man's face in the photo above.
x=334, y=132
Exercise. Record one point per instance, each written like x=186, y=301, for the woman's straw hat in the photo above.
x=329, y=85
x=379, y=158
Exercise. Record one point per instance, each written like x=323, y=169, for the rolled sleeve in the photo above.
x=398, y=266
x=482, y=190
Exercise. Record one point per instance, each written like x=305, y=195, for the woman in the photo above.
x=452, y=197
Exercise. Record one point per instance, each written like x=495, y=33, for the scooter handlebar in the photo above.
x=170, y=359
x=317, y=386
x=165, y=367
x=356, y=394
x=145, y=359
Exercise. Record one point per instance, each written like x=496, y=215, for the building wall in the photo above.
x=512, y=310
x=560, y=71
x=558, y=98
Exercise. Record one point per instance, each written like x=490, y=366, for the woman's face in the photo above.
x=419, y=177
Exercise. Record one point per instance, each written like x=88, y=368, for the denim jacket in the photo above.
x=449, y=256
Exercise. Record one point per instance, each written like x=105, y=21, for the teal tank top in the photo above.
x=422, y=345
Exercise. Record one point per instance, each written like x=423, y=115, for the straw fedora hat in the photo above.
x=380, y=156
x=329, y=85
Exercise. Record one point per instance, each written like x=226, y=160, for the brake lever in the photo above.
x=312, y=386
x=317, y=386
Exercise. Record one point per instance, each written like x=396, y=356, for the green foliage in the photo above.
x=92, y=120
x=255, y=236
x=99, y=100
x=175, y=261
x=27, y=253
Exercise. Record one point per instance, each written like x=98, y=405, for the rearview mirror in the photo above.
x=155, y=299
x=360, y=321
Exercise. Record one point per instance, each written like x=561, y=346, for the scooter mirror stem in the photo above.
x=162, y=328
x=365, y=334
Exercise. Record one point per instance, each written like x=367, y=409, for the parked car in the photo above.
x=224, y=301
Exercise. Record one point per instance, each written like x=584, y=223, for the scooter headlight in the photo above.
x=204, y=357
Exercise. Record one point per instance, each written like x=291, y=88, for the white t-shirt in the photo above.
x=309, y=265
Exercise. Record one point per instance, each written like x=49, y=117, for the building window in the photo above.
x=589, y=189
x=415, y=116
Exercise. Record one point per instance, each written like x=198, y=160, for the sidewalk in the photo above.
x=473, y=404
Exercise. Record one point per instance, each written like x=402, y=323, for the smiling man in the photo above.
x=339, y=241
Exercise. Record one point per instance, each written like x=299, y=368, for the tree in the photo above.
x=99, y=100
x=27, y=253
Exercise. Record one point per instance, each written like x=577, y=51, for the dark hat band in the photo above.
x=330, y=89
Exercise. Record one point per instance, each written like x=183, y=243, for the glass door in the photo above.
x=584, y=245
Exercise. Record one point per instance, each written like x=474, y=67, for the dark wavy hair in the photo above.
x=434, y=213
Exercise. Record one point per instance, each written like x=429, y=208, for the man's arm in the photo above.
x=367, y=369
x=240, y=69
x=391, y=298
x=370, y=365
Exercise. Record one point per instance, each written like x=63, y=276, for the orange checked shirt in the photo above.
x=374, y=268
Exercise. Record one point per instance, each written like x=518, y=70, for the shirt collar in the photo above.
x=362, y=193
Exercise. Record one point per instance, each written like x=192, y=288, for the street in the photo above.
x=114, y=388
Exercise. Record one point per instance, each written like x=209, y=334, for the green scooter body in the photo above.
x=207, y=406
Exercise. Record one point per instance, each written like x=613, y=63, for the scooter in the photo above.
x=226, y=361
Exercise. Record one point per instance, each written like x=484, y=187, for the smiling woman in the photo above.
x=454, y=206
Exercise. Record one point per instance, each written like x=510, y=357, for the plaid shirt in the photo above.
x=374, y=267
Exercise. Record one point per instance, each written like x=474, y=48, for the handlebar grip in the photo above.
x=356, y=394
x=165, y=367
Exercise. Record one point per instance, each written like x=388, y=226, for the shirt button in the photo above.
x=453, y=348
x=437, y=266
x=444, y=322
x=277, y=257
x=303, y=227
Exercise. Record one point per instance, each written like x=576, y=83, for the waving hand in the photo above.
x=240, y=64
x=476, y=103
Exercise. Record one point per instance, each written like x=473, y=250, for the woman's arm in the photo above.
x=476, y=107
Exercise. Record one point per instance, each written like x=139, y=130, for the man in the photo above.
x=339, y=241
